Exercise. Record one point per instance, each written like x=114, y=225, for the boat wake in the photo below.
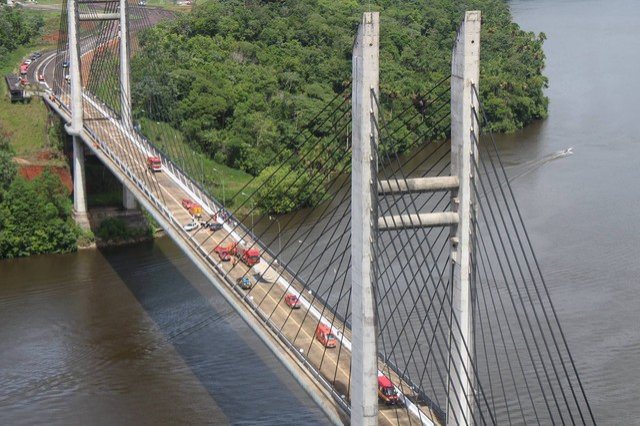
x=536, y=164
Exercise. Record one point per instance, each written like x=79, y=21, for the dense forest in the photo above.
x=237, y=78
x=35, y=216
x=17, y=28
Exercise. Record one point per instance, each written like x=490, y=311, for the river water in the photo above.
x=137, y=335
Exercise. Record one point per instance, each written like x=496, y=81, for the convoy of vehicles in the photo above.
x=154, y=164
x=325, y=336
x=387, y=392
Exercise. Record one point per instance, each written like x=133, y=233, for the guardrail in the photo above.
x=213, y=205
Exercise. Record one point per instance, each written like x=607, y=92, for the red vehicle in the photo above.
x=24, y=81
x=292, y=301
x=40, y=77
x=387, y=391
x=187, y=203
x=249, y=257
x=154, y=164
x=225, y=251
x=23, y=69
x=324, y=336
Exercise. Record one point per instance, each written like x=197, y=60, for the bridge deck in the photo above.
x=292, y=330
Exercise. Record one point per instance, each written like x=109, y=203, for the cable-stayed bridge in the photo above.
x=419, y=265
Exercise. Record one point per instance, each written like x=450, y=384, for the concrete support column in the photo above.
x=465, y=73
x=125, y=84
x=77, y=117
x=79, y=185
x=364, y=368
x=128, y=200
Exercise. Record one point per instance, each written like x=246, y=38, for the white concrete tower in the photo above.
x=364, y=369
x=465, y=74
x=77, y=118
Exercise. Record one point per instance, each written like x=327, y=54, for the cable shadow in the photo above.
x=246, y=381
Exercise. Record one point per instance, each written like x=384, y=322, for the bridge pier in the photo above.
x=128, y=200
x=79, y=185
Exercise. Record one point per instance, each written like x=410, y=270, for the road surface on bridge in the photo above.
x=292, y=330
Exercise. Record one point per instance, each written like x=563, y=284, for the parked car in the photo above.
x=27, y=62
x=292, y=301
x=190, y=226
x=244, y=283
x=65, y=64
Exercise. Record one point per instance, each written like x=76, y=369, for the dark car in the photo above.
x=65, y=64
x=244, y=283
x=215, y=226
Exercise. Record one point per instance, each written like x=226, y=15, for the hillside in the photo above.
x=237, y=78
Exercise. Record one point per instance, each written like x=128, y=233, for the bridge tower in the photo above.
x=465, y=130
x=74, y=17
x=77, y=119
x=364, y=366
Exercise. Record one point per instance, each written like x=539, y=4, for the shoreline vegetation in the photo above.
x=239, y=78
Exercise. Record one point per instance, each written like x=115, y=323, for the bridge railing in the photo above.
x=213, y=204
x=193, y=187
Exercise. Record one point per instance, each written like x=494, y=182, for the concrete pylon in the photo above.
x=128, y=199
x=77, y=118
x=77, y=115
x=79, y=185
x=364, y=368
x=465, y=74
x=125, y=82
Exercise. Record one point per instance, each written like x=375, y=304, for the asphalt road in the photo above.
x=265, y=301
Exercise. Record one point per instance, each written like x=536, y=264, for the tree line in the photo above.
x=35, y=216
x=239, y=78
x=17, y=28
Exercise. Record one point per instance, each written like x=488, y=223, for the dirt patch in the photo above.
x=31, y=172
x=51, y=38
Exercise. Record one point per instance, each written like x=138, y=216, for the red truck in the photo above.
x=194, y=208
x=325, y=336
x=154, y=164
x=387, y=391
x=249, y=256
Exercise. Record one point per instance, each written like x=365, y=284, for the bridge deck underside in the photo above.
x=266, y=301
